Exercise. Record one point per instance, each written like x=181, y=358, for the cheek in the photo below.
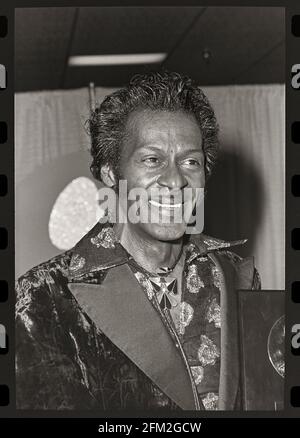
x=196, y=179
x=137, y=176
x=202, y=179
x=128, y=171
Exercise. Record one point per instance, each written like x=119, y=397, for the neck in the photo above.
x=148, y=252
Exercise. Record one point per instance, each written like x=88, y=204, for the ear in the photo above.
x=107, y=176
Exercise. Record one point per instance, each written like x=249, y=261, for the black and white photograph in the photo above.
x=150, y=209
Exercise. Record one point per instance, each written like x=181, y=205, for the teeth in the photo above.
x=158, y=204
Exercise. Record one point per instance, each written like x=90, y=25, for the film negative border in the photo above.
x=7, y=366
x=292, y=398
x=7, y=215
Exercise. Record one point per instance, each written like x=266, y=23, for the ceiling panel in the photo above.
x=42, y=37
x=244, y=44
x=235, y=39
x=129, y=30
x=122, y=31
x=270, y=69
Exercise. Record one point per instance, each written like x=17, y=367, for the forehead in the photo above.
x=162, y=127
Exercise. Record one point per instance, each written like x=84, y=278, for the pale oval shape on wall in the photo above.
x=74, y=213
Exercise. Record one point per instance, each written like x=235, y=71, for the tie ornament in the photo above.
x=166, y=291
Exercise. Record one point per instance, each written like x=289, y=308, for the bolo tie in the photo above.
x=166, y=291
x=165, y=287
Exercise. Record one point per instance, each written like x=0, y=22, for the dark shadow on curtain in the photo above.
x=234, y=201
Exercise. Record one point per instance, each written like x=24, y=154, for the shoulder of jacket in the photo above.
x=39, y=278
x=231, y=256
x=207, y=244
x=247, y=274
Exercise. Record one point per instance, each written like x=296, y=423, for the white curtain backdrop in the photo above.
x=245, y=196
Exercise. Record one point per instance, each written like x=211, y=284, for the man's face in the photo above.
x=163, y=151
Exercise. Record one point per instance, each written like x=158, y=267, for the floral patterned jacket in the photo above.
x=89, y=335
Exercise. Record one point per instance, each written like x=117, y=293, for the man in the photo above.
x=139, y=315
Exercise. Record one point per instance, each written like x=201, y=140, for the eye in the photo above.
x=192, y=162
x=151, y=161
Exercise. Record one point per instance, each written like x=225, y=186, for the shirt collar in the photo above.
x=100, y=250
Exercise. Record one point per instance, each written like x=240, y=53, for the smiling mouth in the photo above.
x=161, y=205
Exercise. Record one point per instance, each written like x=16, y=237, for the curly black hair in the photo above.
x=166, y=91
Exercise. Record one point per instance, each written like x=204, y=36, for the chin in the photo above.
x=163, y=232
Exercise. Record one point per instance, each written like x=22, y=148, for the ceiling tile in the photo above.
x=268, y=70
x=42, y=37
x=130, y=30
x=234, y=37
x=123, y=31
x=240, y=41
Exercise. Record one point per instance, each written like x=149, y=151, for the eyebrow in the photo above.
x=157, y=148
x=192, y=151
x=151, y=147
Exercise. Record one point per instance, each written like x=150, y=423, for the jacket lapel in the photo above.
x=233, y=278
x=122, y=311
x=229, y=372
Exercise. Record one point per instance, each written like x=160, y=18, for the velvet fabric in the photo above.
x=87, y=337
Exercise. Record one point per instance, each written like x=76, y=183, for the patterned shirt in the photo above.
x=197, y=321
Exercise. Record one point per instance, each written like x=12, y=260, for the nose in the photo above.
x=172, y=178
